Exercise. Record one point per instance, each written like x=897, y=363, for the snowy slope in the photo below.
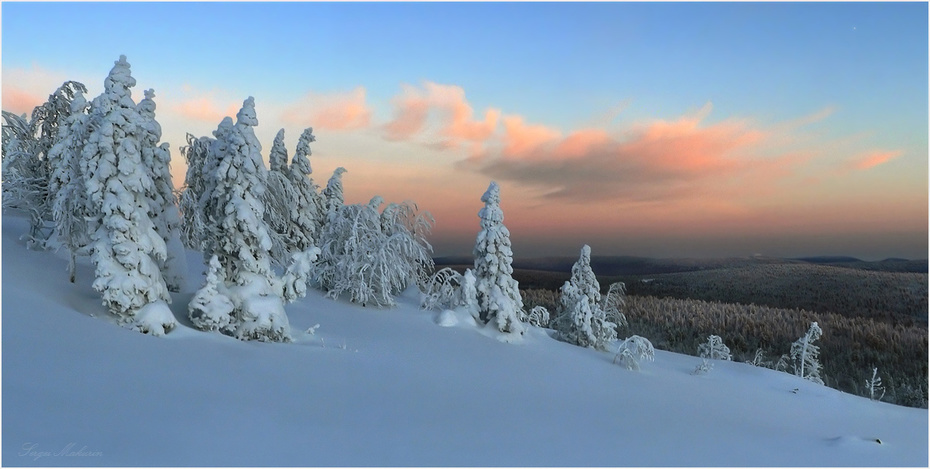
x=390, y=387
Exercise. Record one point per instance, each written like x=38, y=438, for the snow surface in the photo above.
x=376, y=387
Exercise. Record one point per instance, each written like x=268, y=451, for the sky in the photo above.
x=642, y=129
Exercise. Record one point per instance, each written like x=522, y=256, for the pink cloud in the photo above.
x=438, y=112
x=874, y=159
x=19, y=101
x=204, y=109
x=652, y=161
x=339, y=111
x=520, y=138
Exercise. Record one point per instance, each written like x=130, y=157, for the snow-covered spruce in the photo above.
x=370, y=256
x=804, y=355
x=583, y=320
x=192, y=218
x=308, y=215
x=714, y=349
x=237, y=234
x=211, y=309
x=280, y=203
x=70, y=208
x=163, y=207
x=127, y=248
x=333, y=198
x=497, y=293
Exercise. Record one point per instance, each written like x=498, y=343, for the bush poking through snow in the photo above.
x=714, y=349
x=634, y=350
x=211, y=310
x=443, y=290
x=874, y=385
x=703, y=368
x=538, y=316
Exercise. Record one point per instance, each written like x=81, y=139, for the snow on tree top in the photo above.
x=277, y=159
x=120, y=79
x=224, y=128
x=301, y=162
x=491, y=213
x=246, y=115
x=492, y=195
x=586, y=252
x=78, y=103
x=147, y=106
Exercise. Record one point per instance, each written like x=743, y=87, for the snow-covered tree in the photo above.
x=27, y=166
x=70, y=208
x=714, y=349
x=163, y=207
x=126, y=246
x=634, y=350
x=307, y=215
x=469, y=292
x=333, y=197
x=371, y=256
x=280, y=203
x=874, y=385
x=805, y=355
x=237, y=233
x=537, y=316
x=583, y=320
x=442, y=291
x=498, y=294
x=211, y=309
x=192, y=217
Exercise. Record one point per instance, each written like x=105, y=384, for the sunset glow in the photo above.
x=726, y=129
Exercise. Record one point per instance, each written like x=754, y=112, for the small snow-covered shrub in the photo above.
x=805, y=355
x=874, y=385
x=634, y=350
x=758, y=359
x=443, y=290
x=703, y=368
x=537, y=316
x=614, y=302
x=714, y=349
x=211, y=310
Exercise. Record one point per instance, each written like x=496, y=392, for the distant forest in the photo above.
x=873, y=314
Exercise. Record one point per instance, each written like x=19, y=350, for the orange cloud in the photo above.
x=440, y=112
x=875, y=159
x=341, y=111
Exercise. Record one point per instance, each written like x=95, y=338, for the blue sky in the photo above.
x=832, y=84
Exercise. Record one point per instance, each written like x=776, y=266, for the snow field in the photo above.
x=390, y=387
